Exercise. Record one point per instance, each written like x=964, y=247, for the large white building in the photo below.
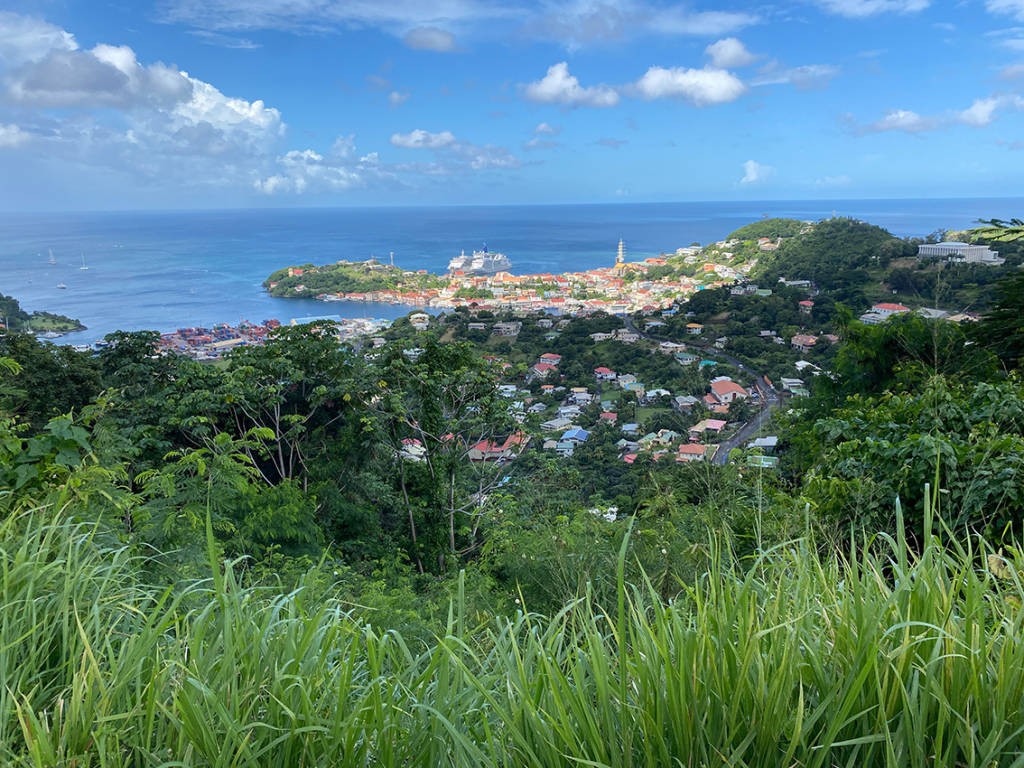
x=961, y=252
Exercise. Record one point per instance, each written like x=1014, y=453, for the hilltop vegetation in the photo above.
x=16, y=318
x=347, y=277
x=773, y=228
x=836, y=254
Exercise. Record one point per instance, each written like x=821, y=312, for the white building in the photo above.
x=960, y=252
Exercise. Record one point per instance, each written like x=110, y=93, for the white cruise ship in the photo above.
x=480, y=263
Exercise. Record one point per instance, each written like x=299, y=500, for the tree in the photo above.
x=446, y=402
x=1002, y=328
x=51, y=380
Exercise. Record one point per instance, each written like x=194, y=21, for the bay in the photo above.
x=164, y=270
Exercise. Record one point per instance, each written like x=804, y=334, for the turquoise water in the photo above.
x=174, y=269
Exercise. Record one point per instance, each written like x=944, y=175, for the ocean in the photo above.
x=165, y=270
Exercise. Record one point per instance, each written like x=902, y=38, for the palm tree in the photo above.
x=998, y=230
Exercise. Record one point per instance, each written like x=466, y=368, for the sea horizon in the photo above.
x=440, y=206
x=167, y=269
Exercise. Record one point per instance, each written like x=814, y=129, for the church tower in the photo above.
x=620, y=259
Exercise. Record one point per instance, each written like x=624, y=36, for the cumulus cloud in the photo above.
x=754, y=172
x=420, y=139
x=806, y=77
x=12, y=136
x=729, y=52
x=701, y=87
x=559, y=87
x=980, y=113
x=102, y=113
x=24, y=39
x=430, y=39
x=453, y=155
x=301, y=171
x=858, y=9
x=902, y=120
x=397, y=99
x=106, y=76
x=546, y=129
x=538, y=143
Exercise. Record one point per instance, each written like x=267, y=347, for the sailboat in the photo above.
x=52, y=260
x=83, y=262
x=61, y=286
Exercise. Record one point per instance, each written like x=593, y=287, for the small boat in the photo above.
x=83, y=262
x=61, y=286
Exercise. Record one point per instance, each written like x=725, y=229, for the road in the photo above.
x=770, y=398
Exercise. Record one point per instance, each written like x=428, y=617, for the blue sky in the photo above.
x=115, y=104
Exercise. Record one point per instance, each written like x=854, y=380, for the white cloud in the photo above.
x=454, y=155
x=902, y=120
x=754, y=172
x=12, y=136
x=575, y=23
x=806, y=77
x=1014, y=8
x=729, y=52
x=397, y=16
x=858, y=9
x=701, y=87
x=24, y=39
x=980, y=113
x=106, y=76
x=224, y=41
x=546, y=129
x=1012, y=71
x=101, y=113
x=431, y=24
x=430, y=39
x=841, y=180
x=538, y=143
x=397, y=99
x=302, y=171
x=559, y=87
x=420, y=139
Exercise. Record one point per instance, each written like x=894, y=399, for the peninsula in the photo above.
x=623, y=286
x=48, y=324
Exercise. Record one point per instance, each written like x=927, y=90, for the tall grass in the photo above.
x=879, y=657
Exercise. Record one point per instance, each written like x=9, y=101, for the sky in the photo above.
x=143, y=104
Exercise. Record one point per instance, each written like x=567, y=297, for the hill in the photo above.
x=833, y=253
x=347, y=277
x=13, y=316
x=773, y=228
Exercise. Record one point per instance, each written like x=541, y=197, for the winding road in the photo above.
x=770, y=398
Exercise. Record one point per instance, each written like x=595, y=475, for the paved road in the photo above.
x=770, y=399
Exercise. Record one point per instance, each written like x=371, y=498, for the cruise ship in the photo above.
x=480, y=263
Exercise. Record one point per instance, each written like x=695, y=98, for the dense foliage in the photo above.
x=15, y=318
x=347, y=277
x=835, y=254
x=772, y=228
